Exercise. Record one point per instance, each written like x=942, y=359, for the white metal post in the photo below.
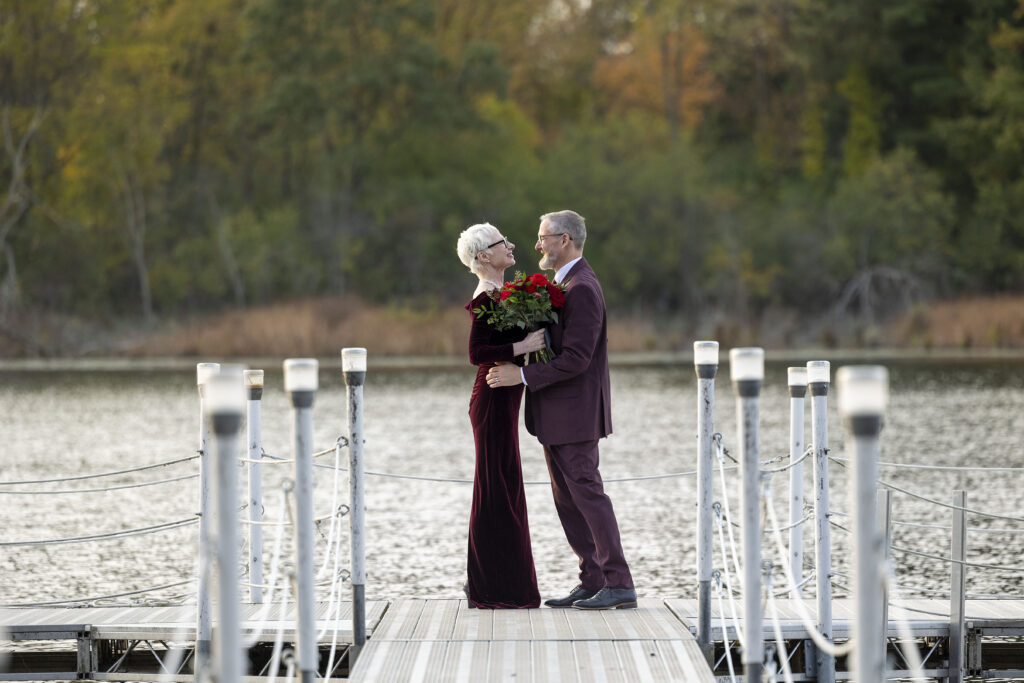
x=883, y=499
x=818, y=378
x=797, y=390
x=301, y=382
x=254, y=385
x=705, y=360
x=747, y=370
x=958, y=587
x=226, y=398
x=204, y=371
x=863, y=392
x=353, y=364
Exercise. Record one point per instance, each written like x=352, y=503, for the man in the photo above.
x=568, y=409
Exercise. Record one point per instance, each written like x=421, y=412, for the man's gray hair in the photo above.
x=472, y=241
x=569, y=222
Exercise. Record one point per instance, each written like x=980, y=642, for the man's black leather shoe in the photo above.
x=578, y=593
x=609, y=598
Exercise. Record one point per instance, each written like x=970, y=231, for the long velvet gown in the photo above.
x=500, y=565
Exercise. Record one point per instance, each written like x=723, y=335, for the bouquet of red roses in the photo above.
x=527, y=302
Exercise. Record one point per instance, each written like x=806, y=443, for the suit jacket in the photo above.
x=568, y=399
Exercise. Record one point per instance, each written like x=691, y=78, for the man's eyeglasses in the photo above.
x=503, y=240
x=540, y=238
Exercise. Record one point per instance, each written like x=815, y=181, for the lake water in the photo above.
x=74, y=422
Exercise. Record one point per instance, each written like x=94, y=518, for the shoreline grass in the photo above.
x=965, y=328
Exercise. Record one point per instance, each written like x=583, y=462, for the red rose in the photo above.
x=505, y=294
x=539, y=279
x=531, y=287
x=557, y=296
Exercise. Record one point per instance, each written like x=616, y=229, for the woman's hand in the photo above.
x=533, y=342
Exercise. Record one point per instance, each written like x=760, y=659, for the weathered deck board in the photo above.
x=539, y=645
x=167, y=623
x=924, y=616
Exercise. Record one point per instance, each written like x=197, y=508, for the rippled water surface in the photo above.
x=67, y=423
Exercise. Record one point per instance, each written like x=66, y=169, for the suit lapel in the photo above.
x=573, y=272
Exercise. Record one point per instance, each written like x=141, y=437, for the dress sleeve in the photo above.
x=481, y=351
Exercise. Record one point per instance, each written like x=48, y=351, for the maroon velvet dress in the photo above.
x=500, y=565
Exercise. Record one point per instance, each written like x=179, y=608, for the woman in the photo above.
x=500, y=566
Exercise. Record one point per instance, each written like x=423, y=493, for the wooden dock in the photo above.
x=444, y=640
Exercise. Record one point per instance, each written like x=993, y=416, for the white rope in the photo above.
x=965, y=563
x=274, y=575
x=948, y=505
x=791, y=465
x=100, y=490
x=101, y=474
x=725, y=568
x=724, y=626
x=97, y=598
x=334, y=507
x=275, y=656
x=342, y=509
x=794, y=525
x=950, y=468
x=812, y=629
x=104, y=537
x=787, y=673
x=940, y=503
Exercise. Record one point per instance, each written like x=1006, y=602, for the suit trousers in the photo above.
x=586, y=514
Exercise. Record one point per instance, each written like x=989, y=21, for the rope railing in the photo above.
x=946, y=468
x=780, y=642
x=950, y=560
x=104, y=489
x=717, y=578
x=156, y=528
x=973, y=511
x=98, y=598
x=812, y=629
x=100, y=474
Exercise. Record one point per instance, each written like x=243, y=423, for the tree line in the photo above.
x=163, y=157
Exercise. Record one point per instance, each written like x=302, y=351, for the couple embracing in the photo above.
x=568, y=409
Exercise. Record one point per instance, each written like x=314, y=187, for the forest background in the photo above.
x=291, y=176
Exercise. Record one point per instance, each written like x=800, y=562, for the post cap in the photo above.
x=205, y=371
x=797, y=376
x=253, y=378
x=746, y=363
x=225, y=394
x=353, y=360
x=863, y=390
x=818, y=371
x=705, y=353
x=301, y=374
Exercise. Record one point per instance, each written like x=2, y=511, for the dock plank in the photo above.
x=509, y=660
x=473, y=623
x=550, y=624
x=400, y=620
x=599, y=662
x=421, y=662
x=682, y=658
x=465, y=660
x=554, y=660
x=437, y=620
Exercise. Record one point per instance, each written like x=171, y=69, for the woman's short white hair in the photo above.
x=472, y=241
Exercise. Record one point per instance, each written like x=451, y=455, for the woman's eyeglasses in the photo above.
x=503, y=240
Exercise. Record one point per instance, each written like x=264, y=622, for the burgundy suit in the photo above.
x=568, y=409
